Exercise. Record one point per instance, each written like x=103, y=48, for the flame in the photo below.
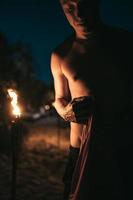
x=14, y=102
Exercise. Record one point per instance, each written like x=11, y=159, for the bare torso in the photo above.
x=75, y=62
x=97, y=66
x=92, y=69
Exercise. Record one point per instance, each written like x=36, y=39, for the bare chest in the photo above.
x=75, y=65
x=96, y=67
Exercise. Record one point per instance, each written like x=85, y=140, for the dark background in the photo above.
x=42, y=26
x=29, y=31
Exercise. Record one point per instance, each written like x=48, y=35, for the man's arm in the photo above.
x=62, y=94
x=76, y=110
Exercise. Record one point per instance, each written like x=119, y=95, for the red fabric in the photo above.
x=96, y=175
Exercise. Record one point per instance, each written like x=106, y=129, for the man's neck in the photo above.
x=84, y=35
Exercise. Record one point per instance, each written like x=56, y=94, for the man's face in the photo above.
x=80, y=13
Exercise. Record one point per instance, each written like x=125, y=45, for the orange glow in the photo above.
x=14, y=102
x=42, y=136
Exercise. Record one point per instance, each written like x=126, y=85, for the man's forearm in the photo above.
x=60, y=105
x=78, y=110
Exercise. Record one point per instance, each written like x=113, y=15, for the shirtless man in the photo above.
x=85, y=65
x=65, y=62
x=73, y=56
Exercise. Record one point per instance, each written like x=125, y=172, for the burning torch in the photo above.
x=15, y=129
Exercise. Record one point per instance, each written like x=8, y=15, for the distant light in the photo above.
x=47, y=107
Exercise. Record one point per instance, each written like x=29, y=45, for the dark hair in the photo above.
x=95, y=2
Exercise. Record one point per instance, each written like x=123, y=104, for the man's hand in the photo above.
x=60, y=105
x=79, y=109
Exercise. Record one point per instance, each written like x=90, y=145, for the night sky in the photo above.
x=42, y=25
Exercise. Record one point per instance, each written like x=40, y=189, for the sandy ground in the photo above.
x=41, y=161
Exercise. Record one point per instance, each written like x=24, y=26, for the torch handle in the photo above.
x=15, y=136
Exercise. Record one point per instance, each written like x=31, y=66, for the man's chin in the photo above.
x=84, y=30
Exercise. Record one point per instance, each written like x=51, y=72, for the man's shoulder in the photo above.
x=60, y=52
x=63, y=48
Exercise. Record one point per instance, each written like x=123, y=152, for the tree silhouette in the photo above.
x=17, y=71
